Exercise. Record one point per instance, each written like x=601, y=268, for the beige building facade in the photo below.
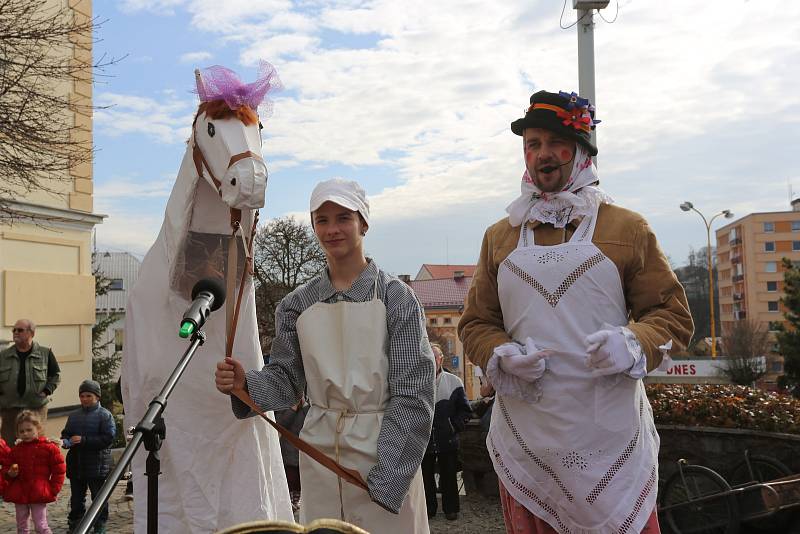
x=45, y=254
x=750, y=271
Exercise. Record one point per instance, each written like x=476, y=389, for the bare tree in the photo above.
x=286, y=255
x=744, y=343
x=39, y=140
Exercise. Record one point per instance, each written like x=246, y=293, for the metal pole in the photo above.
x=586, y=58
x=711, y=292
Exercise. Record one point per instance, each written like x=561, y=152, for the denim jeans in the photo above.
x=76, y=500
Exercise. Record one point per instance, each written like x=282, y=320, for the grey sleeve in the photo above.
x=409, y=415
x=281, y=383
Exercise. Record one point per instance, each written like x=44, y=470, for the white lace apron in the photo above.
x=346, y=367
x=584, y=457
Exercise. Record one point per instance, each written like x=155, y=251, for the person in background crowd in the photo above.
x=88, y=436
x=34, y=474
x=450, y=417
x=30, y=375
x=292, y=419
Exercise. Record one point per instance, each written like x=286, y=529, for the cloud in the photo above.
x=195, y=57
x=162, y=121
x=683, y=94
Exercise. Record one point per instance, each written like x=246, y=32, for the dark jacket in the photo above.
x=293, y=421
x=450, y=415
x=36, y=377
x=91, y=458
x=41, y=472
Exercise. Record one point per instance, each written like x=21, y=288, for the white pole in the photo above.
x=586, y=58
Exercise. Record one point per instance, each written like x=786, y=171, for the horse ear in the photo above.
x=201, y=90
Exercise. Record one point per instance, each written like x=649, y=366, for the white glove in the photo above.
x=513, y=357
x=528, y=365
x=607, y=353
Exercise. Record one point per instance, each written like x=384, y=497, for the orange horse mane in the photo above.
x=218, y=110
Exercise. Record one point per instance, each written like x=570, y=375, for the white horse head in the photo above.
x=228, y=144
x=225, y=151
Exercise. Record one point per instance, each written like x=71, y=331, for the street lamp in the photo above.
x=687, y=206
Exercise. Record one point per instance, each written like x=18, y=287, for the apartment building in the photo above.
x=749, y=253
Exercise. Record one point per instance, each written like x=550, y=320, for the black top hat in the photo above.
x=566, y=114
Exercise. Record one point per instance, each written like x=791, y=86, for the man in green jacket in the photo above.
x=29, y=374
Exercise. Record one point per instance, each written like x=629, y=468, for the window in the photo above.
x=795, y=246
x=119, y=337
x=772, y=287
x=772, y=306
x=116, y=284
x=448, y=320
x=795, y=226
x=771, y=267
x=434, y=321
x=769, y=227
x=769, y=246
x=776, y=366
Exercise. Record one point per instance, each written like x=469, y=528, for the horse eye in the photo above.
x=211, y=130
x=260, y=126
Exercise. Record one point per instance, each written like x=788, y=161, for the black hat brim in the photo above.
x=546, y=123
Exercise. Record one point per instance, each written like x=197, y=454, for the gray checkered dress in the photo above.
x=407, y=422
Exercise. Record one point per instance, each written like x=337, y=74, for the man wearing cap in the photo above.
x=354, y=338
x=29, y=374
x=571, y=305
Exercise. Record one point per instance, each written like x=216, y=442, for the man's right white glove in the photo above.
x=528, y=365
x=514, y=370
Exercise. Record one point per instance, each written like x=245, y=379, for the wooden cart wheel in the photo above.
x=712, y=516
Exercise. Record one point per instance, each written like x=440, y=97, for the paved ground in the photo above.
x=478, y=516
x=120, y=513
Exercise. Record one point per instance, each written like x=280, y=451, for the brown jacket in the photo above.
x=656, y=302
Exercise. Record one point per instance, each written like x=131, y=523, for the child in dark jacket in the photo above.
x=88, y=435
x=34, y=474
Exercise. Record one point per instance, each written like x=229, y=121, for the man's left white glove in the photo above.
x=607, y=353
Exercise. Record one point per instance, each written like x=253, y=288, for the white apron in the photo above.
x=584, y=457
x=346, y=367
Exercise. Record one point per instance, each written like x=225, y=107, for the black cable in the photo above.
x=615, y=15
x=561, y=18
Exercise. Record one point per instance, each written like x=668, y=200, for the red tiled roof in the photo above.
x=442, y=292
x=447, y=271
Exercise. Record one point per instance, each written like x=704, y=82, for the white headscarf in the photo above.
x=579, y=197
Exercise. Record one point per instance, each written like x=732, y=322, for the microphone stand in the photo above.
x=152, y=431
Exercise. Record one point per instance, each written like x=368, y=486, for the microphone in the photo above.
x=208, y=295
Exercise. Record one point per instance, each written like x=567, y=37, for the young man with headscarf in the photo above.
x=571, y=305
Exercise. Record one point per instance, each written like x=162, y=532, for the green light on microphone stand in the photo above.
x=187, y=329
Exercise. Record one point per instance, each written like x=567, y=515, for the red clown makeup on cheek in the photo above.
x=566, y=155
x=529, y=157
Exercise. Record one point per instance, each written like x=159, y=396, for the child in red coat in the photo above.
x=34, y=475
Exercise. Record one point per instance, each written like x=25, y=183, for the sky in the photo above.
x=698, y=100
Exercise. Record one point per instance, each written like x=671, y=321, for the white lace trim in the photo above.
x=559, y=210
x=639, y=367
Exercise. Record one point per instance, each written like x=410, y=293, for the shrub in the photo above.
x=724, y=406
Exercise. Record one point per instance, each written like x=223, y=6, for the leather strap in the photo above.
x=350, y=475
